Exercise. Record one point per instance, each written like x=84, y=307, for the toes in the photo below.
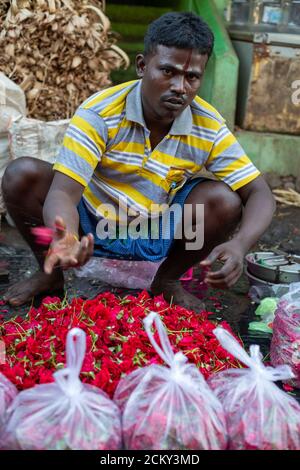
x=7, y=298
x=16, y=298
x=16, y=301
x=7, y=295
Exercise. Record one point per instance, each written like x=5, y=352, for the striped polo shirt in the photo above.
x=107, y=149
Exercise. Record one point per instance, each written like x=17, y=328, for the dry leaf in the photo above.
x=60, y=52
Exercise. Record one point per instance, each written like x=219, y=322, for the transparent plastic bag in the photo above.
x=8, y=392
x=258, y=293
x=120, y=273
x=169, y=407
x=66, y=414
x=285, y=345
x=259, y=415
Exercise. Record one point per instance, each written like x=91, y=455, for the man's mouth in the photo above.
x=174, y=103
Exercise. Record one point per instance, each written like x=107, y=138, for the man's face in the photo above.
x=171, y=79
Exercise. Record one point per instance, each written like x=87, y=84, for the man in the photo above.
x=135, y=145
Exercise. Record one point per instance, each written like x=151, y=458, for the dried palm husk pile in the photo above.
x=289, y=197
x=59, y=52
x=4, y=7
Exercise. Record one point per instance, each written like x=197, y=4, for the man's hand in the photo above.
x=66, y=250
x=232, y=254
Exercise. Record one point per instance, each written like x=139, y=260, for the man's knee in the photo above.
x=224, y=203
x=20, y=176
x=219, y=202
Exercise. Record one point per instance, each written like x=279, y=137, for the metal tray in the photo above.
x=273, y=267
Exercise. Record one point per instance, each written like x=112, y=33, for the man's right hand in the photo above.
x=66, y=250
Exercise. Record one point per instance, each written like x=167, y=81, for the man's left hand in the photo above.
x=232, y=255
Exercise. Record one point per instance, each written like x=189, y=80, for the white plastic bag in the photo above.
x=12, y=106
x=66, y=414
x=169, y=407
x=285, y=345
x=12, y=101
x=38, y=139
x=7, y=394
x=4, y=161
x=120, y=273
x=259, y=415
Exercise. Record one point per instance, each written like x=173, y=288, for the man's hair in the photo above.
x=181, y=30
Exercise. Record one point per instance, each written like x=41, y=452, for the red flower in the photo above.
x=116, y=340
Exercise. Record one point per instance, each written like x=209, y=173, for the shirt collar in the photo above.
x=182, y=125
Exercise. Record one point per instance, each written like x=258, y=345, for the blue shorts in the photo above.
x=140, y=249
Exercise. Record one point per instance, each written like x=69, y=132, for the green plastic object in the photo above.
x=266, y=311
x=259, y=326
x=267, y=306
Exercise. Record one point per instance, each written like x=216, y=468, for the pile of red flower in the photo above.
x=116, y=340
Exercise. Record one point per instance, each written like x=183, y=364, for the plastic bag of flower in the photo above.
x=66, y=414
x=285, y=345
x=169, y=407
x=259, y=415
x=7, y=394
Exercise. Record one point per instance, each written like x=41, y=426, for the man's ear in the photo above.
x=140, y=64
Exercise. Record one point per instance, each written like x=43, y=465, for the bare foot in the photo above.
x=173, y=291
x=40, y=282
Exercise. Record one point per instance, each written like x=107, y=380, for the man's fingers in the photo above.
x=91, y=244
x=66, y=257
x=86, y=249
x=69, y=262
x=228, y=268
x=211, y=258
x=90, y=247
x=223, y=280
x=232, y=281
x=227, y=282
x=83, y=250
x=60, y=227
x=50, y=262
x=55, y=259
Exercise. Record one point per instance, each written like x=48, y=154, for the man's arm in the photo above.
x=60, y=212
x=62, y=200
x=83, y=146
x=259, y=206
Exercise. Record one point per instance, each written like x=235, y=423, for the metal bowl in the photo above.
x=256, y=281
x=272, y=267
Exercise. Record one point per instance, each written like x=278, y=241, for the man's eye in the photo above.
x=192, y=77
x=167, y=71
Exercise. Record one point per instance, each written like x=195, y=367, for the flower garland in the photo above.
x=116, y=340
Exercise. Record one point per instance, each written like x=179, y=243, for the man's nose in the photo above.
x=178, y=85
